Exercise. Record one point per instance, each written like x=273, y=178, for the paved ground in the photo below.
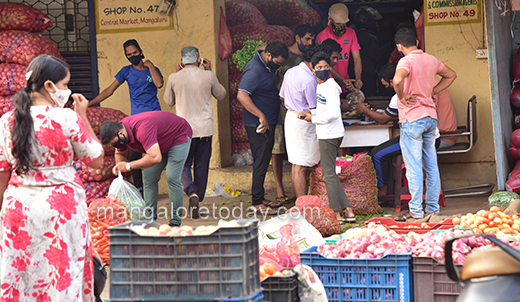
x=219, y=206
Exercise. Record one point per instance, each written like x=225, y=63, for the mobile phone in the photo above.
x=201, y=62
x=303, y=116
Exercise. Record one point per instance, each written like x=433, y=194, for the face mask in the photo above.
x=302, y=48
x=273, y=66
x=338, y=30
x=322, y=74
x=60, y=97
x=135, y=59
x=121, y=143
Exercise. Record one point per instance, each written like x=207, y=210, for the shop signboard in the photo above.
x=443, y=12
x=114, y=16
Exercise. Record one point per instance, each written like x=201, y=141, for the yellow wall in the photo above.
x=196, y=23
x=449, y=45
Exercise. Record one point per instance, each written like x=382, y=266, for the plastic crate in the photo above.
x=212, y=267
x=363, y=280
x=405, y=227
x=281, y=289
x=258, y=297
x=431, y=283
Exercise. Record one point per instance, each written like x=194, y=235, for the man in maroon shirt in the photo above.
x=165, y=138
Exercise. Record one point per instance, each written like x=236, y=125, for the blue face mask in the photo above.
x=322, y=74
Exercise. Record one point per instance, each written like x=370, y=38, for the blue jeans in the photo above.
x=418, y=149
x=173, y=160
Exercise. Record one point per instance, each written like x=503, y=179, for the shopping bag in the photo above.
x=129, y=195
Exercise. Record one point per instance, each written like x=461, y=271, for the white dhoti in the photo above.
x=301, y=141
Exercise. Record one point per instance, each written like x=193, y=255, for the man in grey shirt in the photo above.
x=190, y=89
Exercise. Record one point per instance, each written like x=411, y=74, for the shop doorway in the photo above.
x=74, y=32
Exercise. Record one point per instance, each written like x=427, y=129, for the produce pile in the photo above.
x=492, y=221
x=104, y=213
x=167, y=230
x=252, y=22
x=19, y=44
x=267, y=270
x=375, y=241
x=97, y=181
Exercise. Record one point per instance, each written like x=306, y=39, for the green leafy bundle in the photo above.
x=242, y=56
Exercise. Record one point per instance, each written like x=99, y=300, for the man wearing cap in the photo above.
x=190, y=89
x=346, y=37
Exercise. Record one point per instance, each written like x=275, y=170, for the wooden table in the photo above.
x=366, y=135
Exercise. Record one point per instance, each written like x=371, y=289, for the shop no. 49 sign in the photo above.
x=129, y=15
x=441, y=12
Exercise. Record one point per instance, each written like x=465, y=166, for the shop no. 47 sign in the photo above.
x=129, y=15
x=441, y=12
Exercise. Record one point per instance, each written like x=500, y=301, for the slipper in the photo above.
x=271, y=204
x=282, y=199
x=262, y=211
x=405, y=217
x=347, y=219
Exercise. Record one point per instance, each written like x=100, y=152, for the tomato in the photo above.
x=488, y=230
x=483, y=227
x=494, y=209
x=515, y=217
x=493, y=215
x=455, y=221
x=497, y=220
x=492, y=224
x=481, y=213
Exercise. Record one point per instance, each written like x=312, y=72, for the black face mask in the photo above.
x=135, y=59
x=302, y=48
x=121, y=143
x=273, y=66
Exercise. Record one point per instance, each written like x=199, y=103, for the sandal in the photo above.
x=282, y=199
x=405, y=217
x=262, y=210
x=271, y=204
x=344, y=218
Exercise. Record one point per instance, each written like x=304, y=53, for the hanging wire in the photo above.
x=502, y=5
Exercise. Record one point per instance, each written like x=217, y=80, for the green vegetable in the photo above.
x=502, y=199
x=248, y=51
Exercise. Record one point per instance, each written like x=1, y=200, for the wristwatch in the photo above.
x=128, y=167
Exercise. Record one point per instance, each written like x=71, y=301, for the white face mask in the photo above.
x=60, y=97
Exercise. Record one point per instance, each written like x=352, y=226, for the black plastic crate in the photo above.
x=222, y=265
x=281, y=289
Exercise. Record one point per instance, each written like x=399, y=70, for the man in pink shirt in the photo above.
x=346, y=37
x=415, y=84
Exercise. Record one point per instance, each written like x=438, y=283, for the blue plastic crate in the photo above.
x=388, y=279
x=258, y=297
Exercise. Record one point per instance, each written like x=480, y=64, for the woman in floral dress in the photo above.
x=44, y=236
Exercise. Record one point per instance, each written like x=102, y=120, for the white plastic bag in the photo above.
x=306, y=234
x=129, y=195
x=220, y=190
x=310, y=288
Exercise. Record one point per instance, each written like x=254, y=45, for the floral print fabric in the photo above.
x=45, y=236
